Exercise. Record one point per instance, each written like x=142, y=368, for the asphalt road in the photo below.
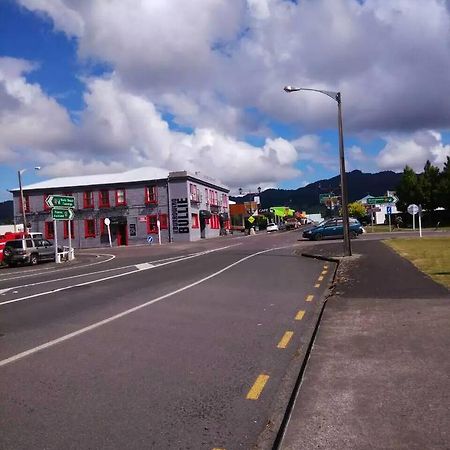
x=172, y=347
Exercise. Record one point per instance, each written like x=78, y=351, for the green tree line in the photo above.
x=431, y=188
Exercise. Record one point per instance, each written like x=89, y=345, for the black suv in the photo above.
x=28, y=251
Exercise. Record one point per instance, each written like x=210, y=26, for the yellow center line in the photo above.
x=309, y=298
x=320, y=278
x=258, y=386
x=324, y=272
x=217, y=448
x=300, y=315
x=325, y=267
x=317, y=285
x=284, y=342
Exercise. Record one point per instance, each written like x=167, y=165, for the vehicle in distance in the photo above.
x=333, y=228
x=28, y=251
x=271, y=227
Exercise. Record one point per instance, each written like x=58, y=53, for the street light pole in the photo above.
x=24, y=219
x=337, y=97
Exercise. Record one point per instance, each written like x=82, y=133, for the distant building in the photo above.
x=189, y=207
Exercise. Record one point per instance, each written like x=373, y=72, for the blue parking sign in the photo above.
x=389, y=209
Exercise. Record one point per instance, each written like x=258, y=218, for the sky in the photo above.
x=96, y=86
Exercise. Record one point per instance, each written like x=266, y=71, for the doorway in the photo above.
x=202, y=227
x=122, y=238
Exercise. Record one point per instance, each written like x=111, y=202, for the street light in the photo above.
x=24, y=218
x=337, y=97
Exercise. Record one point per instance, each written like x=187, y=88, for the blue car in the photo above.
x=333, y=228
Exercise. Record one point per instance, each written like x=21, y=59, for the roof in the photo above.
x=141, y=174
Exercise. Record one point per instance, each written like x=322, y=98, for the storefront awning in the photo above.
x=282, y=211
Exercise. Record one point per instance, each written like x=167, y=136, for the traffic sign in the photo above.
x=389, y=210
x=324, y=197
x=60, y=201
x=107, y=221
x=149, y=239
x=62, y=214
x=381, y=200
x=413, y=209
x=251, y=219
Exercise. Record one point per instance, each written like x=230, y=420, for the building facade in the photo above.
x=188, y=207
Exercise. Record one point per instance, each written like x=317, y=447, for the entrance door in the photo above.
x=122, y=234
x=202, y=227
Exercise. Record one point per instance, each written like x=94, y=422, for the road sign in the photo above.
x=381, y=200
x=60, y=201
x=251, y=219
x=107, y=221
x=150, y=239
x=389, y=209
x=374, y=209
x=324, y=197
x=413, y=209
x=62, y=214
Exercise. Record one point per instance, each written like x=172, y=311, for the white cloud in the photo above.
x=413, y=151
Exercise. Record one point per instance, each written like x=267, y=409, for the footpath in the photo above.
x=378, y=376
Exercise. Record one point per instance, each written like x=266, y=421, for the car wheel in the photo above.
x=318, y=237
x=353, y=234
x=33, y=259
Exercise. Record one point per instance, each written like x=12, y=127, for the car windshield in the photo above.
x=14, y=244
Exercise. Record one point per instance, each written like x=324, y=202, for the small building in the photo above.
x=188, y=206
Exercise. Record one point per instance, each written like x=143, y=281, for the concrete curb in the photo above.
x=272, y=436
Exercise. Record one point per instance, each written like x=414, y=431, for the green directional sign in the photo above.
x=62, y=214
x=60, y=201
x=381, y=200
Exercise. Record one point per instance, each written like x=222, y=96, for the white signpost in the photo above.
x=413, y=210
x=107, y=222
x=158, y=224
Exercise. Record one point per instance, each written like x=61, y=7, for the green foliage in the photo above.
x=357, y=209
x=431, y=188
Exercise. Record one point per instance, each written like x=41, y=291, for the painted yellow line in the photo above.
x=324, y=272
x=300, y=315
x=309, y=298
x=284, y=342
x=217, y=448
x=317, y=285
x=320, y=278
x=325, y=267
x=258, y=386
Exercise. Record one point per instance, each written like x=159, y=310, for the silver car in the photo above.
x=28, y=251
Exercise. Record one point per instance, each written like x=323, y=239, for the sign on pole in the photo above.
x=107, y=222
x=60, y=201
x=413, y=210
x=381, y=200
x=62, y=214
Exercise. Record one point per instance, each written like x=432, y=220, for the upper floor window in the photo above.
x=88, y=199
x=27, y=203
x=151, y=195
x=225, y=200
x=120, y=197
x=194, y=193
x=103, y=198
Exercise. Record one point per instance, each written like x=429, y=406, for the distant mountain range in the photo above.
x=306, y=198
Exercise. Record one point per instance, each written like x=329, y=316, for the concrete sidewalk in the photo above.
x=378, y=376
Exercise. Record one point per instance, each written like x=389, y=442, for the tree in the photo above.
x=429, y=186
x=408, y=190
x=444, y=186
x=357, y=209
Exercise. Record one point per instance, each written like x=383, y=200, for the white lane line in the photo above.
x=99, y=280
x=66, y=337
x=3, y=291
x=144, y=266
x=41, y=271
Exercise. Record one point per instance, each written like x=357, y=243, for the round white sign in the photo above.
x=413, y=209
x=107, y=221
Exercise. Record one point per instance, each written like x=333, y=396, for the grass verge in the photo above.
x=430, y=255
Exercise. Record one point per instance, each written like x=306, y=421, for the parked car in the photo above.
x=333, y=228
x=28, y=251
x=272, y=227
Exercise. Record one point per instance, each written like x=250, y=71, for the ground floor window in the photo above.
x=89, y=228
x=49, y=230
x=195, y=221
x=215, y=222
x=66, y=229
x=152, y=226
x=163, y=221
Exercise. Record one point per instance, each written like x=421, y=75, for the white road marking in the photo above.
x=81, y=331
x=2, y=291
x=144, y=266
x=31, y=273
x=99, y=280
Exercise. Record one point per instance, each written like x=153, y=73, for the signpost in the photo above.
x=381, y=200
x=389, y=211
x=61, y=201
x=413, y=210
x=62, y=214
x=107, y=222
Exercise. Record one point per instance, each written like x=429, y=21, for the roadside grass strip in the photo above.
x=284, y=341
x=429, y=255
x=257, y=388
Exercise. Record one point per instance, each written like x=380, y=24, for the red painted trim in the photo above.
x=100, y=199
x=87, y=232
x=124, y=198
x=152, y=227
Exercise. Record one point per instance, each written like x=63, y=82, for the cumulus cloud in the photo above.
x=414, y=151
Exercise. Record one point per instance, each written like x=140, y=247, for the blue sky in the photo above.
x=86, y=88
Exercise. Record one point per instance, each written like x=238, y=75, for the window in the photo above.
x=27, y=203
x=215, y=223
x=88, y=199
x=46, y=207
x=66, y=229
x=49, y=230
x=225, y=200
x=120, y=197
x=102, y=227
x=103, y=199
x=194, y=193
x=195, y=222
x=152, y=226
x=207, y=195
x=163, y=221
x=89, y=228
x=151, y=195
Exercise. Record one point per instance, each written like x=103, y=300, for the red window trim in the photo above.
x=100, y=199
x=88, y=200
x=87, y=233
x=66, y=229
x=154, y=200
x=48, y=234
x=195, y=221
x=150, y=228
x=163, y=221
x=124, y=197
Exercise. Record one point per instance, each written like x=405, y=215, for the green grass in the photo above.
x=430, y=255
x=385, y=228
